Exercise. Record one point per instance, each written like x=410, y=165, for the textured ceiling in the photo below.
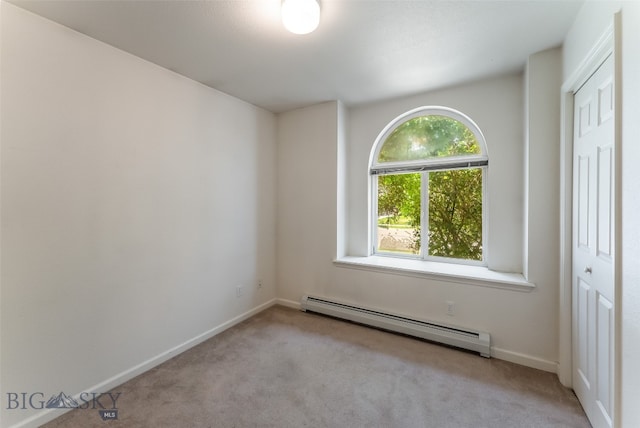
x=363, y=51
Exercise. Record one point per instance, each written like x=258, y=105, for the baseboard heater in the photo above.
x=466, y=339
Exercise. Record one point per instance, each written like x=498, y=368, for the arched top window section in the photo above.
x=429, y=138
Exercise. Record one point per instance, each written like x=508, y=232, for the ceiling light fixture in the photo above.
x=300, y=16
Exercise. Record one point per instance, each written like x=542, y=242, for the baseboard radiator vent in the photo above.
x=466, y=339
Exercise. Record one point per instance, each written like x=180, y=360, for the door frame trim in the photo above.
x=607, y=44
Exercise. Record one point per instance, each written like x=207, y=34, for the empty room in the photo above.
x=322, y=213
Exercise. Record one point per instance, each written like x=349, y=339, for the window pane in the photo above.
x=455, y=214
x=399, y=213
x=427, y=137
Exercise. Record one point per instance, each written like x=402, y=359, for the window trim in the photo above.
x=424, y=167
x=374, y=165
x=445, y=272
x=420, y=166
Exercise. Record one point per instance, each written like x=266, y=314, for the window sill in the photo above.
x=462, y=274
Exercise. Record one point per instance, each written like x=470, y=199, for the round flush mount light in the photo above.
x=300, y=16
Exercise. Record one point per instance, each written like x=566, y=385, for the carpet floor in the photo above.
x=286, y=368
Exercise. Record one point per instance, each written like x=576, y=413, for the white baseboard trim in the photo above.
x=288, y=303
x=524, y=360
x=498, y=353
x=48, y=415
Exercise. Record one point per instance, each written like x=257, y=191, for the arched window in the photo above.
x=428, y=171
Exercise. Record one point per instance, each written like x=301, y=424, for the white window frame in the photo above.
x=423, y=167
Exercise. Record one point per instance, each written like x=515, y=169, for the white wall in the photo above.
x=542, y=166
x=523, y=325
x=593, y=19
x=630, y=298
x=307, y=197
x=134, y=200
x=542, y=174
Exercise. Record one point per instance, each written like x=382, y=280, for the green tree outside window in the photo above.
x=454, y=193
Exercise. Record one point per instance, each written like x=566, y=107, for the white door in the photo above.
x=593, y=270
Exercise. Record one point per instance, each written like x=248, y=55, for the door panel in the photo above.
x=593, y=244
x=605, y=101
x=585, y=117
x=604, y=316
x=605, y=181
x=583, y=332
x=583, y=202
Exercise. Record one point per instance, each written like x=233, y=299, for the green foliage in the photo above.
x=399, y=196
x=427, y=137
x=455, y=196
x=455, y=214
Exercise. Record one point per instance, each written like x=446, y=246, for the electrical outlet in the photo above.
x=239, y=290
x=450, y=308
x=259, y=284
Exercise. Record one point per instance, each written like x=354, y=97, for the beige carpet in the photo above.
x=286, y=368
